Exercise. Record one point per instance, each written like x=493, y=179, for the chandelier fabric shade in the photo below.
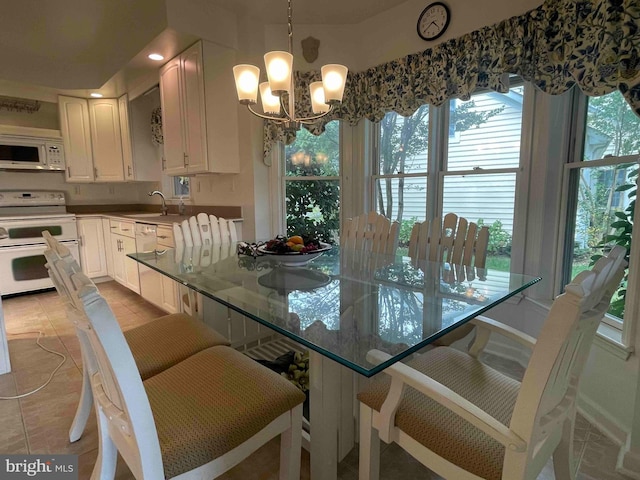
x=278, y=96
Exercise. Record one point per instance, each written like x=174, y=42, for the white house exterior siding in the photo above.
x=495, y=144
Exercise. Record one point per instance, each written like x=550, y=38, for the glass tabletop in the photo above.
x=342, y=304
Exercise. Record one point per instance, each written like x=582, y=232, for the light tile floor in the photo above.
x=39, y=423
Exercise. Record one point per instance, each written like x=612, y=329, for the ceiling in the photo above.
x=80, y=46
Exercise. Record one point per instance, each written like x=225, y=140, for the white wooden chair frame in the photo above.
x=125, y=420
x=543, y=417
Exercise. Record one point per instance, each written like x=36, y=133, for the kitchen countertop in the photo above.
x=144, y=217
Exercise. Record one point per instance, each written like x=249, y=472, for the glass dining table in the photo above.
x=338, y=306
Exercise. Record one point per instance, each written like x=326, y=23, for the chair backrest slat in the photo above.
x=204, y=228
x=224, y=231
x=454, y=240
x=186, y=234
x=371, y=232
x=195, y=231
x=215, y=230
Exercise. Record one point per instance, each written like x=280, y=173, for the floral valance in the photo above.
x=594, y=44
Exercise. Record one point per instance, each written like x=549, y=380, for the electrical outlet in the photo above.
x=76, y=190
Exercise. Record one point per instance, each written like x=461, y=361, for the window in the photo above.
x=602, y=188
x=482, y=165
x=312, y=184
x=475, y=176
x=400, y=171
x=180, y=186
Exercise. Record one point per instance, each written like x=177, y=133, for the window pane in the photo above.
x=313, y=206
x=180, y=186
x=486, y=199
x=404, y=143
x=603, y=218
x=402, y=199
x=311, y=155
x=612, y=128
x=486, y=131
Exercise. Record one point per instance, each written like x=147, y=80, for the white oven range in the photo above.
x=23, y=217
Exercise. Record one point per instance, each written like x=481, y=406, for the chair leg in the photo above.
x=290, y=447
x=105, y=467
x=369, y=462
x=563, y=454
x=84, y=406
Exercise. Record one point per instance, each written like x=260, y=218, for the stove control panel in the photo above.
x=21, y=198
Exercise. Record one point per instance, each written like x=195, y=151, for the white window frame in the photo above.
x=621, y=332
x=437, y=169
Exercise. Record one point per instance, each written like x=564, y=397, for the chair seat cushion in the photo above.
x=442, y=431
x=168, y=340
x=212, y=402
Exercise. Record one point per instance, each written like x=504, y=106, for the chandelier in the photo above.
x=279, y=67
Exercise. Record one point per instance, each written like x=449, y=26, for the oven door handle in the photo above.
x=3, y=233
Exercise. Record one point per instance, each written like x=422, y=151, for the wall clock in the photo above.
x=433, y=21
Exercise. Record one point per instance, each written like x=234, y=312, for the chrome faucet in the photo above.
x=165, y=209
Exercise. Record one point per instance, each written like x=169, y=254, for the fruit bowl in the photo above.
x=295, y=259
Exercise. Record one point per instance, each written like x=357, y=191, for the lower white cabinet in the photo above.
x=91, y=237
x=125, y=269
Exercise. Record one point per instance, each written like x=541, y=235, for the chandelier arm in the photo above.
x=309, y=120
x=266, y=117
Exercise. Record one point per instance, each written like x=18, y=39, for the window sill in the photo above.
x=610, y=340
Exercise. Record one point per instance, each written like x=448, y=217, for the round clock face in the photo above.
x=433, y=21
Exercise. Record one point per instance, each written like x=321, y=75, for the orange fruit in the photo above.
x=297, y=239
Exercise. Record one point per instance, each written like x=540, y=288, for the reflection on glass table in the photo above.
x=342, y=305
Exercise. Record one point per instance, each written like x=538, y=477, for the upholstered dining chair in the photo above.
x=155, y=346
x=197, y=419
x=454, y=240
x=466, y=421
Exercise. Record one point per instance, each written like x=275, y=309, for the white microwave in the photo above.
x=31, y=153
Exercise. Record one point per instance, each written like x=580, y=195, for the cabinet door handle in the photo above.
x=95, y=172
x=80, y=240
x=162, y=236
x=129, y=170
x=164, y=163
x=126, y=229
x=186, y=159
x=112, y=227
x=69, y=172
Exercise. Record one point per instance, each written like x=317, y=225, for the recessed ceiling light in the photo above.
x=156, y=56
x=96, y=95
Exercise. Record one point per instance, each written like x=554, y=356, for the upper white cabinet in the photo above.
x=76, y=134
x=106, y=139
x=200, y=111
x=92, y=136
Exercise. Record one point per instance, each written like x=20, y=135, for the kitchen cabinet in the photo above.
x=76, y=136
x=125, y=269
x=106, y=140
x=92, y=247
x=200, y=111
x=106, y=230
x=156, y=288
x=92, y=134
